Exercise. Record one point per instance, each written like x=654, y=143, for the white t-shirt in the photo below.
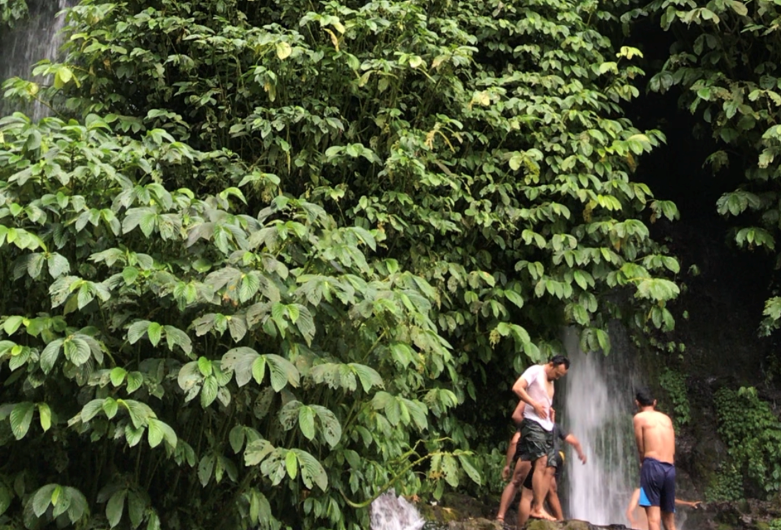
x=536, y=388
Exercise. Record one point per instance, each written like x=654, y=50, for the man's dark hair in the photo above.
x=559, y=359
x=644, y=397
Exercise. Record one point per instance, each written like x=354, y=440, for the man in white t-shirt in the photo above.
x=535, y=388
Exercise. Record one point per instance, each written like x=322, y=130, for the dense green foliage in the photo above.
x=12, y=11
x=674, y=384
x=752, y=433
x=267, y=248
x=725, y=59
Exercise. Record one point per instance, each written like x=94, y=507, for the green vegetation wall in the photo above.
x=268, y=259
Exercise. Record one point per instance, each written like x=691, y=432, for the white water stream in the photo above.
x=393, y=512
x=599, y=404
x=36, y=38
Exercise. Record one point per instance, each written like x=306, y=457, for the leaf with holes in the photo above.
x=331, y=428
x=312, y=472
x=240, y=362
x=257, y=451
x=282, y=372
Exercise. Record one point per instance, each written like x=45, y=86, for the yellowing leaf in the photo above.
x=416, y=61
x=482, y=98
x=284, y=50
x=334, y=38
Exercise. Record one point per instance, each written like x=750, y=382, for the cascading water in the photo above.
x=392, y=512
x=598, y=405
x=36, y=38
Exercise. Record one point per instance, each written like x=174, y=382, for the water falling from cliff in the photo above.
x=37, y=37
x=599, y=404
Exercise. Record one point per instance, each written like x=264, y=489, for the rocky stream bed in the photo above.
x=460, y=512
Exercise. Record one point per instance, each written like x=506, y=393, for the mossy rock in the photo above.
x=539, y=524
x=468, y=507
x=476, y=524
x=571, y=524
x=439, y=514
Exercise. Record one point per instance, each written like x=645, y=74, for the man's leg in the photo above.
x=668, y=518
x=540, y=486
x=525, y=506
x=654, y=517
x=553, y=496
x=519, y=475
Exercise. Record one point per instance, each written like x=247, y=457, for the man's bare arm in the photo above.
x=518, y=412
x=690, y=504
x=630, y=510
x=519, y=388
x=575, y=443
x=509, y=456
x=511, y=446
x=638, y=426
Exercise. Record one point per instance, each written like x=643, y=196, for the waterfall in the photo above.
x=391, y=512
x=34, y=39
x=598, y=405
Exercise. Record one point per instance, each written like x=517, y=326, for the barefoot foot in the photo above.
x=540, y=513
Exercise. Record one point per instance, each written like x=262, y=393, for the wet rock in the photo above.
x=572, y=524
x=476, y=524
x=481, y=523
x=748, y=514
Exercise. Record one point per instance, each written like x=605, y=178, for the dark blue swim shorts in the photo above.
x=657, y=485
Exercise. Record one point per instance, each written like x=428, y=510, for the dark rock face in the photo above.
x=748, y=514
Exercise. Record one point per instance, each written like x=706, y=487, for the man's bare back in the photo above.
x=655, y=436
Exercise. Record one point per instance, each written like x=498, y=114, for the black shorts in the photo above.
x=535, y=442
x=657, y=485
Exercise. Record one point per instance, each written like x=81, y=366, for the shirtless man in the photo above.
x=535, y=388
x=655, y=439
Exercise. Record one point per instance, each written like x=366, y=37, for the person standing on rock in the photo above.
x=514, y=469
x=535, y=388
x=655, y=439
x=554, y=469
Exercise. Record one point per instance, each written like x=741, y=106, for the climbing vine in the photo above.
x=673, y=383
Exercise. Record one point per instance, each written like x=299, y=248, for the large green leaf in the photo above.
x=240, y=362
x=21, y=417
x=331, y=428
x=312, y=472
x=256, y=452
x=42, y=499
x=115, y=507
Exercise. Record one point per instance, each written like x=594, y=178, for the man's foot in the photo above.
x=540, y=513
